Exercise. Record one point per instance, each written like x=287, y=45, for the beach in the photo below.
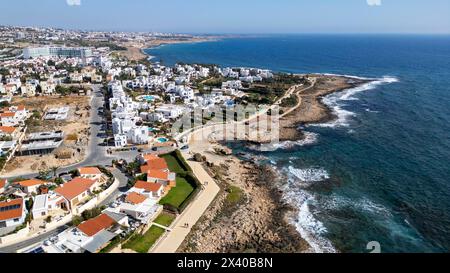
x=135, y=50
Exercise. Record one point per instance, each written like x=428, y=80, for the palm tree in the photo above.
x=54, y=170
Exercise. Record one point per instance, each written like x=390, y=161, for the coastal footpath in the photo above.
x=249, y=214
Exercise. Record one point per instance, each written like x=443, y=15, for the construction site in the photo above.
x=57, y=133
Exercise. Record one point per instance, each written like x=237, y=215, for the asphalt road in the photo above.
x=123, y=181
x=96, y=156
x=35, y=240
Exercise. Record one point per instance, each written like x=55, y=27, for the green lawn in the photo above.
x=173, y=163
x=177, y=195
x=234, y=196
x=165, y=219
x=143, y=243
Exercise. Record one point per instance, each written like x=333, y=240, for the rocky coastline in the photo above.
x=261, y=221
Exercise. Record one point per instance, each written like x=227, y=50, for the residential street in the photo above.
x=33, y=241
x=96, y=156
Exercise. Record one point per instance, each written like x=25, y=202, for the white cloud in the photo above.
x=73, y=2
x=374, y=2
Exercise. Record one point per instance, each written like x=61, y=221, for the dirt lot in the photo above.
x=75, y=127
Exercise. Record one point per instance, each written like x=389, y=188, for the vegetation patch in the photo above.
x=178, y=195
x=176, y=162
x=143, y=243
x=165, y=219
x=235, y=195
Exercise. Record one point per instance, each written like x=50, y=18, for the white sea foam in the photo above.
x=309, y=175
x=335, y=202
x=334, y=101
x=305, y=222
x=310, y=138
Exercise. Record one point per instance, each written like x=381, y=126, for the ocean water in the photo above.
x=381, y=171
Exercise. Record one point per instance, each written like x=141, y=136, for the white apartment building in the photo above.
x=138, y=135
x=170, y=111
x=232, y=85
x=120, y=140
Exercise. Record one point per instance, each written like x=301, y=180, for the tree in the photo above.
x=54, y=169
x=59, y=181
x=132, y=167
x=43, y=174
x=29, y=204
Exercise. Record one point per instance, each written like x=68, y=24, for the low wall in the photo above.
x=98, y=199
x=56, y=224
x=15, y=237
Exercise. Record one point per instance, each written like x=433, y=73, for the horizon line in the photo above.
x=202, y=33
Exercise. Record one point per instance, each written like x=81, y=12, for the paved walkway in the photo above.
x=191, y=214
x=161, y=226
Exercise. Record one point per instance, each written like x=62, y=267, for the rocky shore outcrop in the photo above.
x=258, y=223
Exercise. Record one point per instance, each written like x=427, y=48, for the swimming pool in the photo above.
x=162, y=140
x=149, y=98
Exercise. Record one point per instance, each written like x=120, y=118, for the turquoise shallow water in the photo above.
x=382, y=171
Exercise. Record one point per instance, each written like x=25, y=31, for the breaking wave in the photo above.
x=306, y=223
x=309, y=175
x=334, y=101
x=310, y=138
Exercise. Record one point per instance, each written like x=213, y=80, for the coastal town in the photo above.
x=90, y=161
x=223, y=136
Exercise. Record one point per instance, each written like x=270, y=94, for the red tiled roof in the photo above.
x=2, y=183
x=7, y=115
x=7, y=129
x=147, y=186
x=95, y=225
x=75, y=187
x=157, y=163
x=158, y=174
x=89, y=170
x=135, y=198
x=31, y=182
x=11, y=213
x=148, y=157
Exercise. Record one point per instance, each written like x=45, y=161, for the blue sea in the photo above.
x=381, y=171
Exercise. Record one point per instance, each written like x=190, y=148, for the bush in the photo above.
x=76, y=220
x=91, y=213
x=72, y=137
x=198, y=157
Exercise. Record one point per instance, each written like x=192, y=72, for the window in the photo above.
x=16, y=220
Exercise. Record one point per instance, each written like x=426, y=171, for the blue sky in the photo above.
x=234, y=16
